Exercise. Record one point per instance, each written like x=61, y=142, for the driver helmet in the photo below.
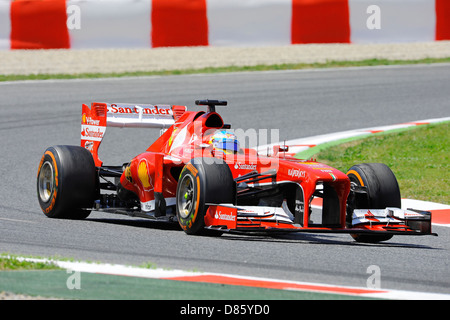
x=224, y=141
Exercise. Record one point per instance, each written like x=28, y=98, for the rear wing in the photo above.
x=94, y=120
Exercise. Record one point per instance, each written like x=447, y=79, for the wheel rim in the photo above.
x=46, y=180
x=186, y=200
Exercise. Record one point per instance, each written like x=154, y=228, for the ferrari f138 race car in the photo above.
x=197, y=174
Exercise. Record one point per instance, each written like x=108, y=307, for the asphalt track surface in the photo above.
x=38, y=114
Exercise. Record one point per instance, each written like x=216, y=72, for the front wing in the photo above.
x=395, y=221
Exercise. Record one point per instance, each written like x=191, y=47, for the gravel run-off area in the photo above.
x=63, y=61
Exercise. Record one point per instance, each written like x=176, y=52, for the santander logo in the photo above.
x=245, y=166
x=225, y=216
x=93, y=133
x=128, y=109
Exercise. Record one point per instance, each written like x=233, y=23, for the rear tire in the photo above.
x=382, y=191
x=67, y=182
x=200, y=183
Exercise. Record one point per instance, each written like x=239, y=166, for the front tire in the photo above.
x=382, y=191
x=202, y=182
x=66, y=182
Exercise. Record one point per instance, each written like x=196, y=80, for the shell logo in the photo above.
x=144, y=175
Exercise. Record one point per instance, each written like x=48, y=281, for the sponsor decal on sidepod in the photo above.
x=296, y=173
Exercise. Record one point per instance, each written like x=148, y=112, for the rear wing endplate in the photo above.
x=94, y=120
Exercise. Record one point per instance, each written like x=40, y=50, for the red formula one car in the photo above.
x=197, y=174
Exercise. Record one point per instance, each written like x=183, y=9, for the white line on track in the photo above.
x=17, y=220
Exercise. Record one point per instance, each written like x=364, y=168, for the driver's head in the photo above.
x=224, y=141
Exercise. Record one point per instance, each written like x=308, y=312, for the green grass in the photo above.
x=13, y=263
x=418, y=157
x=292, y=66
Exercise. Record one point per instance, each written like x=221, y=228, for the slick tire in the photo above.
x=382, y=191
x=202, y=182
x=67, y=182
